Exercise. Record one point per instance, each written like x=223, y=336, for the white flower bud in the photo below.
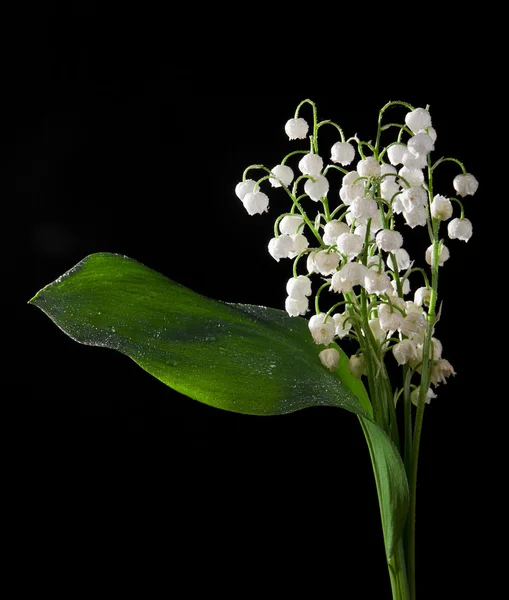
x=298, y=287
x=296, y=129
x=282, y=172
x=296, y=306
x=422, y=296
x=350, y=244
x=460, y=229
x=325, y=262
x=332, y=230
x=441, y=208
x=416, y=217
x=300, y=243
x=343, y=324
x=413, y=197
x=389, y=240
x=280, y=247
x=396, y=153
x=404, y=351
x=349, y=192
x=357, y=365
x=368, y=166
x=244, y=187
x=420, y=143
x=402, y=260
x=350, y=178
x=311, y=164
x=349, y=275
x=415, y=177
x=465, y=185
x=376, y=283
x=256, y=203
x=342, y=152
x=389, y=321
x=440, y=371
x=330, y=358
x=318, y=189
x=444, y=255
x=322, y=333
x=414, y=396
x=363, y=207
x=289, y=224
x=418, y=119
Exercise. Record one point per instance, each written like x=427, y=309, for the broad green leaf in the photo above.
x=242, y=358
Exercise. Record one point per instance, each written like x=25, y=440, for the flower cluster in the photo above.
x=356, y=250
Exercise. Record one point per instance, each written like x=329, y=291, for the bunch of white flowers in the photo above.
x=355, y=249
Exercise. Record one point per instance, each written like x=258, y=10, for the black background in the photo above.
x=114, y=152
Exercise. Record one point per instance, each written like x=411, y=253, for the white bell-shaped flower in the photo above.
x=389, y=189
x=244, y=187
x=350, y=244
x=420, y=144
x=282, y=173
x=376, y=283
x=389, y=240
x=296, y=306
x=418, y=119
x=325, y=262
x=412, y=161
x=322, y=332
x=465, y=185
x=460, y=229
x=298, y=287
x=401, y=260
x=317, y=189
x=413, y=197
x=332, y=230
x=441, y=208
x=343, y=324
x=300, y=243
x=363, y=208
x=351, y=274
x=440, y=371
x=417, y=217
x=329, y=358
x=444, y=255
x=405, y=288
x=368, y=166
x=280, y=247
x=422, y=296
x=256, y=203
x=311, y=164
x=414, y=177
x=404, y=351
x=343, y=153
x=290, y=224
x=389, y=321
x=396, y=153
x=297, y=129
x=414, y=396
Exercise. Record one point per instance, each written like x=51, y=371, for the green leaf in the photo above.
x=242, y=358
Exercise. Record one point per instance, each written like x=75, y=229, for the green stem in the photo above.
x=398, y=574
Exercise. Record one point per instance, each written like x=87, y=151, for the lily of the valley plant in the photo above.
x=351, y=274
